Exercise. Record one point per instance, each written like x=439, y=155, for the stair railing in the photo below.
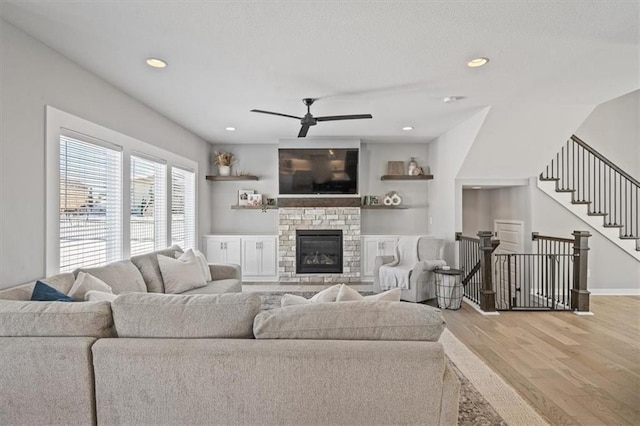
x=476, y=265
x=596, y=181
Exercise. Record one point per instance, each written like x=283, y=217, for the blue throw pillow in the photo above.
x=45, y=293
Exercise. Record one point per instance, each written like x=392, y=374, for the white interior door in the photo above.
x=511, y=236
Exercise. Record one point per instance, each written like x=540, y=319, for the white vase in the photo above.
x=224, y=170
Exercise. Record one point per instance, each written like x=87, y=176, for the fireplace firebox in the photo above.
x=319, y=251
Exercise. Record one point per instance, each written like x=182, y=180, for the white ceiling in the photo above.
x=393, y=59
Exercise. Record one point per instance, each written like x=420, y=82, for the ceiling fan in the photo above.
x=309, y=120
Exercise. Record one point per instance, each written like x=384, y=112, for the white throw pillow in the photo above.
x=293, y=299
x=392, y=295
x=99, y=296
x=327, y=295
x=180, y=276
x=347, y=294
x=84, y=283
x=204, y=264
x=200, y=258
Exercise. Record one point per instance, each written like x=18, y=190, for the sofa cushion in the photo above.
x=218, y=287
x=202, y=261
x=44, y=293
x=85, y=283
x=121, y=276
x=98, y=296
x=359, y=320
x=148, y=266
x=185, y=316
x=181, y=275
x=54, y=319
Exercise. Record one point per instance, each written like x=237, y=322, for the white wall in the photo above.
x=613, y=129
x=446, y=155
x=262, y=160
x=612, y=270
x=32, y=76
x=519, y=138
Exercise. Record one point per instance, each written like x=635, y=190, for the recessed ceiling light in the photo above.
x=407, y=128
x=156, y=63
x=476, y=187
x=477, y=62
x=230, y=129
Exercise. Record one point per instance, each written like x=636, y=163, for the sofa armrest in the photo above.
x=450, y=397
x=225, y=271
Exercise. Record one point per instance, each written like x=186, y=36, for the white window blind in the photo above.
x=148, y=221
x=90, y=204
x=183, y=208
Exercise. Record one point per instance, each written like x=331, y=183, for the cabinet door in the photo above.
x=215, y=250
x=259, y=256
x=233, y=250
x=222, y=249
x=251, y=256
x=269, y=249
x=369, y=253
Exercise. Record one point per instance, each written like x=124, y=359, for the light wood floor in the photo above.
x=575, y=370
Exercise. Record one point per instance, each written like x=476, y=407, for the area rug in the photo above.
x=485, y=399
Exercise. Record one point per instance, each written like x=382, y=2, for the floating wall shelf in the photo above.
x=231, y=178
x=262, y=207
x=382, y=207
x=406, y=177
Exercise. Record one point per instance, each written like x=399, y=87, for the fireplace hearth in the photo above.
x=319, y=251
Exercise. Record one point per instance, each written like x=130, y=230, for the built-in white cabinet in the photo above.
x=256, y=254
x=222, y=249
x=373, y=246
x=259, y=256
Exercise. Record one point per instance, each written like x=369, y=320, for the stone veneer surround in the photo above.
x=345, y=218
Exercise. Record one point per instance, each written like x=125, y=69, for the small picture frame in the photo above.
x=375, y=200
x=243, y=196
x=255, y=199
x=395, y=168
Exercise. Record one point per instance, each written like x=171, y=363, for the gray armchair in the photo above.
x=422, y=279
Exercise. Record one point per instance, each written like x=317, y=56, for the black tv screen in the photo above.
x=318, y=171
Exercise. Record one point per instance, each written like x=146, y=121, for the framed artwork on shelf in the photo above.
x=395, y=168
x=255, y=199
x=243, y=196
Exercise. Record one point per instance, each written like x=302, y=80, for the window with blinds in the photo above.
x=148, y=221
x=183, y=208
x=90, y=203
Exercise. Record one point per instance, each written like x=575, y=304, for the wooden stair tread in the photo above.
x=597, y=214
x=580, y=202
x=613, y=226
x=565, y=190
x=549, y=179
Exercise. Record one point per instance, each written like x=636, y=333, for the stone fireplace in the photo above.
x=313, y=222
x=319, y=251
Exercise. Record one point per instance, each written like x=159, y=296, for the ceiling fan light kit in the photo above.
x=309, y=120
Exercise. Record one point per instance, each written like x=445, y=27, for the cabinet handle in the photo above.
x=225, y=246
x=221, y=246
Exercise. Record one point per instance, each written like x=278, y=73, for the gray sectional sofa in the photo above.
x=148, y=358
x=138, y=274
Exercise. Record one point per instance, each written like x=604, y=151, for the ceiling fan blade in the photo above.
x=343, y=117
x=303, y=131
x=276, y=113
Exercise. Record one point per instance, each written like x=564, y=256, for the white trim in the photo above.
x=583, y=314
x=58, y=122
x=318, y=143
x=477, y=308
x=614, y=291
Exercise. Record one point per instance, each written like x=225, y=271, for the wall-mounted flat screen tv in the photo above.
x=318, y=171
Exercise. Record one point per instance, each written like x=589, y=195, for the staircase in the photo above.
x=597, y=191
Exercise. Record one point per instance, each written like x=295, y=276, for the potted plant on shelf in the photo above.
x=223, y=160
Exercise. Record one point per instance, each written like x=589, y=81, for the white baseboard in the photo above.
x=615, y=291
x=477, y=308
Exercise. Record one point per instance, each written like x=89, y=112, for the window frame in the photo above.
x=57, y=122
